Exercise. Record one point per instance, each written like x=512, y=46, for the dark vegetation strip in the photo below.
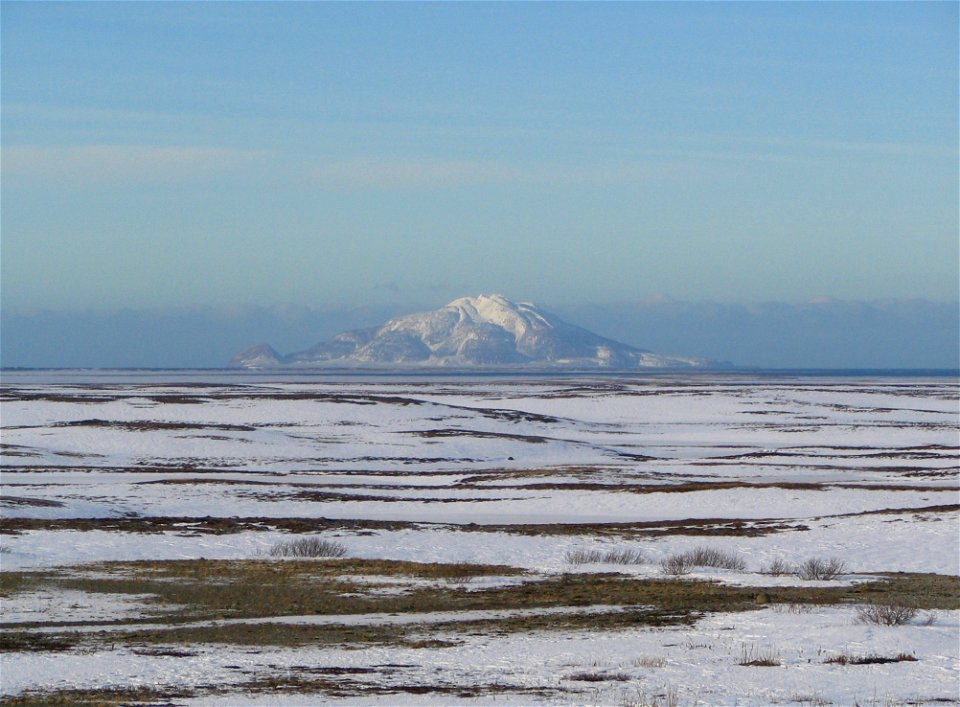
x=198, y=590
x=27, y=501
x=694, y=486
x=945, y=508
x=479, y=434
x=190, y=468
x=297, y=680
x=890, y=454
x=147, y=425
x=222, y=526
x=218, y=396
x=906, y=470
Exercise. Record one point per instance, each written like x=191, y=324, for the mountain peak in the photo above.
x=259, y=356
x=499, y=311
x=486, y=330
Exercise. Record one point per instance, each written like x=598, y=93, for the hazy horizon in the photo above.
x=826, y=333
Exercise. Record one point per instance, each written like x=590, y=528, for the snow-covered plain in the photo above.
x=516, y=472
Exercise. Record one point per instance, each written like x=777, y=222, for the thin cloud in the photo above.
x=109, y=163
x=374, y=173
x=810, y=146
x=385, y=174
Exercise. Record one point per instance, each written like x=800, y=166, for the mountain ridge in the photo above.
x=486, y=330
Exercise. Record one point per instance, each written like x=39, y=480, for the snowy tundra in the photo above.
x=702, y=539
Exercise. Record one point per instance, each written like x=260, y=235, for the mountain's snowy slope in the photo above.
x=488, y=330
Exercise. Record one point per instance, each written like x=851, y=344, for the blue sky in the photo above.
x=213, y=154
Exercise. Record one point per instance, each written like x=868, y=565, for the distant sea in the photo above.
x=226, y=376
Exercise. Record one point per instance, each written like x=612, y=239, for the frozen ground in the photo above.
x=491, y=487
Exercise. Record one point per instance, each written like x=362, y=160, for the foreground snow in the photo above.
x=496, y=472
x=700, y=665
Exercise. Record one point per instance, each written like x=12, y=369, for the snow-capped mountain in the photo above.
x=488, y=330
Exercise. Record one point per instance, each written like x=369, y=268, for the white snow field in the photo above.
x=601, y=540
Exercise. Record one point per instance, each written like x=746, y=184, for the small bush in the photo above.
x=712, y=557
x=582, y=556
x=886, y=614
x=627, y=556
x=684, y=562
x=676, y=564
x=458, y=573
x=308, y=547
x=819, y=568
x=779, y=567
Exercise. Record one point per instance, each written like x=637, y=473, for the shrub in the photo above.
x=582, y=556
x=458, y=573
x=779, y=567
x=712, y=557
x=676, y=564
x=702, y=556
x=627, y=556
x=886, y=614
x=308, y=547
x=819, y=568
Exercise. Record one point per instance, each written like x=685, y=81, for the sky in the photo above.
x=163, y=155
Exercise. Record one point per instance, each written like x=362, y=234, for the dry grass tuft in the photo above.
x=598, y=677
x=756, y=657
x=870, y=659
x=794, y=608
x=650, y=661
x=667, y=697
